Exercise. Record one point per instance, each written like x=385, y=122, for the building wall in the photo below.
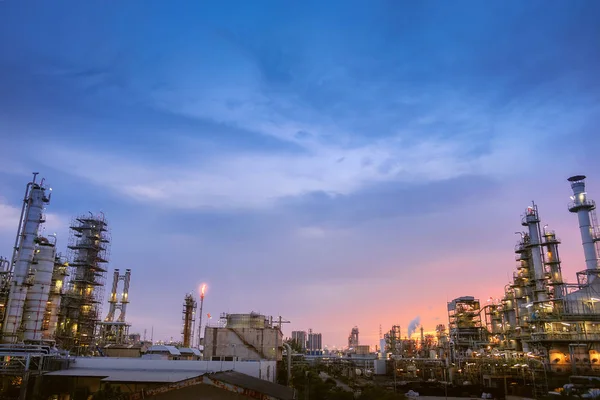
x=243, y=343
x=259, y=369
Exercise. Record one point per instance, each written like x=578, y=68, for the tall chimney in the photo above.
x=584, y=208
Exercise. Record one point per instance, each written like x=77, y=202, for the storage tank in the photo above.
x=251, y=320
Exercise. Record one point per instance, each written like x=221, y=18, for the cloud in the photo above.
x=9, y=217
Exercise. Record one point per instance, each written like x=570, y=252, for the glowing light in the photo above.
x=202, y=290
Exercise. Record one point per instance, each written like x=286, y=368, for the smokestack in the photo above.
x=584, y=209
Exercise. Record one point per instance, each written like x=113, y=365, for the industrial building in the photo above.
x=244, y=337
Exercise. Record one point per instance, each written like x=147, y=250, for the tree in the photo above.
x=295, y=345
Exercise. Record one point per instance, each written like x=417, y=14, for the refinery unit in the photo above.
x=540, y=314
x=56, y=301
x=51, y=306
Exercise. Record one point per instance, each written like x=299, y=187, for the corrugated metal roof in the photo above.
x=130, y=375
x=189, y=350
x=258, y=385
x=162, y=349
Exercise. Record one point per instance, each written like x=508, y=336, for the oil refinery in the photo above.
x=540, y=334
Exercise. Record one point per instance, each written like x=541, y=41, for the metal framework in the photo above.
x=540, y=314
x=353, y=338
x=81, y=306
x=189, y=319
x=116, y=331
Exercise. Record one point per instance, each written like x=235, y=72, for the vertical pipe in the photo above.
x=125, y=297
x=583, y=208
x=200, y=319
x=112, y=302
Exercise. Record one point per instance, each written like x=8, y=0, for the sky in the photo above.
x=335, y=163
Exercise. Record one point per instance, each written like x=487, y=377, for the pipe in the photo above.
x=289, y=362
x=584, y=209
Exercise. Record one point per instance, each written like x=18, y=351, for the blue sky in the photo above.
x=340, y=164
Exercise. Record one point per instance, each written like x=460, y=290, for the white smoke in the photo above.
x=412, y=326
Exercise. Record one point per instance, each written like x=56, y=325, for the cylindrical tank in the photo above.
x=37, y=295
x=32, y=212
x=54, y=297
x=238, y=321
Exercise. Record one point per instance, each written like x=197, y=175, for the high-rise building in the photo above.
x=300, y=338
x=314, y=342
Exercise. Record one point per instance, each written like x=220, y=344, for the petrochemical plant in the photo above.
x=539, y=334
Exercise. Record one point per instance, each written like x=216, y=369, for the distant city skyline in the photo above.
x=338, y=164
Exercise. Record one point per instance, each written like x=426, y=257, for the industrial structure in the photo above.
x=116, y=331
x=554, y=322
x=353, y=338
x=202, y=291
x=81, y=305
x=393, y=340
x=29, y=273
x=189, y=319
x=244, y=337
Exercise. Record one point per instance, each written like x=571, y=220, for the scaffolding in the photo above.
x=81, y=304
x=465, y=327
x=394, y=340
x=189, y=319
x=116, y=331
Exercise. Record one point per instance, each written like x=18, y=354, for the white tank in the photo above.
x=59, y=274
x=23, y=259
x=37, y=295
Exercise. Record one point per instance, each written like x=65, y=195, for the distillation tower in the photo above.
x=111, y=330
x=29, y=272
x=189, y=319
x=80, y=309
